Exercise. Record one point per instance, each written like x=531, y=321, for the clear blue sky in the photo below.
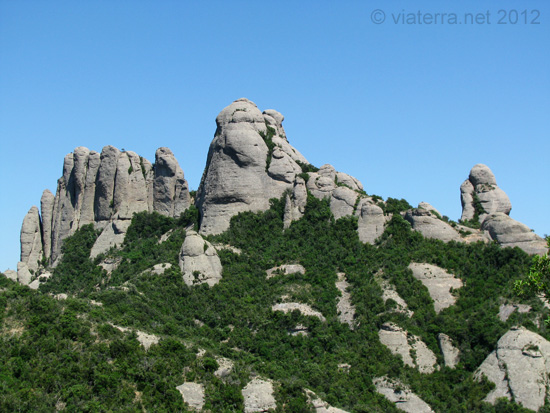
x=406, y=108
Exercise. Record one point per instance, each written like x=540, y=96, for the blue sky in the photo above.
x=408, y=109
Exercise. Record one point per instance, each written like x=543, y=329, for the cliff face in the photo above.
x=104, y=189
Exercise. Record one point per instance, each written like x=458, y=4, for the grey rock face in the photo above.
x=285, y=269
x=199, y=261
x=46, y=209
x=31, y=239
x=258, y=396
x=319, y=405
x=344, y=306
x=404, y=399
x=11, y=275
x=389, y=293
x=24, y=276
x=303, y=308
x=451, y=354
x=482, y=183
x=438, y=282
x=372, y=221
x=237, y=177
x=510, y=233
x=400, y=342
x=295, y=203
x=506, y=310
x=423, y=221
x=519, y=367
x=193, y=395
x=111, y=236
x=105, y=190
x=170, y=189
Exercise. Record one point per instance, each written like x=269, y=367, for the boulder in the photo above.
x=11, y=275
x=31, y=239
x=199, y=261
x=482, y=184
x=451, y=354
x=258, y=396
x=395, y=391
x=510, y=233
x=438, y=282
x=519, y=367
x=24, y=276
x=430, y=226
x=400, y=342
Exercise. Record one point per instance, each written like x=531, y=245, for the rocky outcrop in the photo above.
x=105, y=190
x=303, y=308
x=400, y=342
x=344, y=307
x=295, y=202
x=145, y=339
x=506, y=310
x=170, y=189
x=31, y=239
x=225, y=366
x=511, y=233
x=395, y=391
x=451, y=354
x=199, y=261
x=438, y=282
x=371, y=222
x=431, y=226
x=319, y=405
x=249, y=162
x=519, y=367
x=285, y=269
x=193, y=395
x=258, y=396
x=482, y=184
x=24, y=276
x=389, y=293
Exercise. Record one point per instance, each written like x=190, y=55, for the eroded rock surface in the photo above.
x=104, y=189
x=258, y=396
x=193, y=394
x=404, y=399
x=510, y=233
x=242, y=173
x=344, y=307
x=303, y=308
x=430, y=226
x=371, y=222
x=199, y=261
x=31, y=239
x=519, y=367
x=438, y=282
x=482, y=184
x=506, y=310
x=319, y=405
x=451, y=354
x=389, y=293
x=285, y=269
x=400, y=342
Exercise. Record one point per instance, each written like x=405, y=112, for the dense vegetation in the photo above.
x=67, y=353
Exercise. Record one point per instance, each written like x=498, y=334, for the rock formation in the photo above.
x=506, y=310
x=451, y=354
x=482, y=184
x=319, y=405
x=285, y=269
x=105, y=190
x=303, y=308
x=438, y=282
x=199, y=261
x=371, y=222
x=344, y=307
x=519, y=367
x=431, y=226
x=404, y=399
x=258, y=396
x=193, y=395
x=249, y=162
x=400, y=342
x=511, y=233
